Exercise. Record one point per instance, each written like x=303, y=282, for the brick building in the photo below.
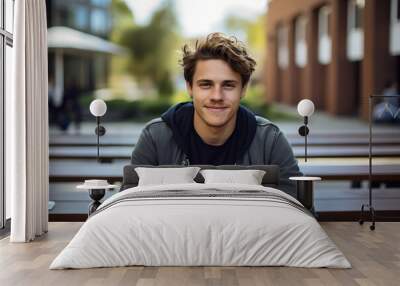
x=334, y=52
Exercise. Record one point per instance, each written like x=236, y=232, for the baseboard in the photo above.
x=388, y=215
x=67, y=217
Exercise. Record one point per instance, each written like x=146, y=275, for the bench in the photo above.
x=350, y=141
x=109, y=153
x=91, y=140
x=75, y=171
x=294, y=139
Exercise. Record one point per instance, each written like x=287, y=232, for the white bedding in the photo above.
x=189, y=230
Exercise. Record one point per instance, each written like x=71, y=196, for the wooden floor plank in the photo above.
x=374, y=255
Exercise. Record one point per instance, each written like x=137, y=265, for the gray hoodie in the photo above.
x=156, y=146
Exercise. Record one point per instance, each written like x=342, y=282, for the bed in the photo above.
x=201, y=224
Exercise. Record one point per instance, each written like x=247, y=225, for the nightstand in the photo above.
x=305, y=191
x=97, y=190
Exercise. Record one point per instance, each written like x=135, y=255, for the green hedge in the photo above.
x=138, y=110
x=145, y=109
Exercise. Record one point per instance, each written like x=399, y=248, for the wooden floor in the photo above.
x=374, y=255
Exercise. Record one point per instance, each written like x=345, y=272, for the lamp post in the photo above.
x=305, y=108
x=98, y=108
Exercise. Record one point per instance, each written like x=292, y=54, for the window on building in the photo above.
x=6, y=43
x=397, y=10
x=283, y=46
x=324, y=35
x=355, y=31
x=358, y=12
x=394, y=39
x=301, y=41
x=355, y=14
x=64, y=17
x=81, y=17
x=102, y=3
x=324, y=18
x=99, y=21
x=75, y=16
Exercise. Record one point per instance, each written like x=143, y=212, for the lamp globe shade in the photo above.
x=305, y=107
x=98, y=107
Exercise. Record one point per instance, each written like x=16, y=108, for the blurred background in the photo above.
x=126, y=52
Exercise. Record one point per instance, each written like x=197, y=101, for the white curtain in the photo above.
x=27, y=124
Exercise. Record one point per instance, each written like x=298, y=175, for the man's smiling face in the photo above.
x=216, y=91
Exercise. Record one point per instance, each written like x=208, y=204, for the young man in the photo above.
x=214, y=129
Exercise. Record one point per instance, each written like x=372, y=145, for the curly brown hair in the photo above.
x=218, y=46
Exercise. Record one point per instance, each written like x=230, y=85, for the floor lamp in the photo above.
x=369, y=205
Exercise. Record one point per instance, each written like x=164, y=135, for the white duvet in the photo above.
x=207, y=230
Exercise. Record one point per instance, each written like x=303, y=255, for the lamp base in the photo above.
x=96, y=195
x=305, y=191
x=371, y=213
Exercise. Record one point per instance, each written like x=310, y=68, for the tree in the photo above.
x=252, y=31
x=152, y=49
x=122, y=23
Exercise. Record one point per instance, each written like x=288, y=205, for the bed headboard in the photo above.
x=270, y=179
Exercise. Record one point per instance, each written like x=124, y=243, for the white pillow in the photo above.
x=163, y=176
x=248, y=177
